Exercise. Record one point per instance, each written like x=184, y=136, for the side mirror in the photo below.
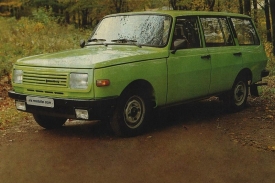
x=82, y=43
x=179, y=44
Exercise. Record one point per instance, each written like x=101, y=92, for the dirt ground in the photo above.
x=196, y=142
x=253, y=127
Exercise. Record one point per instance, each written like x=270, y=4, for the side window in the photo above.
x=186, y=33
x=216, y=32
x=245, y=31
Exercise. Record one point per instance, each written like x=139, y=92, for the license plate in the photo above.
x=39, y=101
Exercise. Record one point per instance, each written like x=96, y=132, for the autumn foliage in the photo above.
x=26, y=37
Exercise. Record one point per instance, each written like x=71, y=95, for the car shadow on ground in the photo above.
x=205, y=111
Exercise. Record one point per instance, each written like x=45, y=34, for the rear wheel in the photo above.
x=132, y=114
x=237, y=98
x=49, y=122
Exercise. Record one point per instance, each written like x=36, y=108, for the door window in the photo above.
x=186, y=33
x=217, y=32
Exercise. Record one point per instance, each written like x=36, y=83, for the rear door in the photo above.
x=226, y=57
x=252, y=51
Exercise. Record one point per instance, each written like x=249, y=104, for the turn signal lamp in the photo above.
x=102, y=82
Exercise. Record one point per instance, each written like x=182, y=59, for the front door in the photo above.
x=189, y=67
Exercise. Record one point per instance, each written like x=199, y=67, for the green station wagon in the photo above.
x=136, y=62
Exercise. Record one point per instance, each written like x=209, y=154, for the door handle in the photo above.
x=206, y=56
x=237, y=54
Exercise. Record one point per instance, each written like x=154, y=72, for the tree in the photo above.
x=10, y=8
x=272, y=11
x=241, y=6
x=255, y=11
x=210, y=4
x=267, y=19
x=80, y=11
x=54, y=4
x=173, y=4
x=247, y=7
x=118, y=4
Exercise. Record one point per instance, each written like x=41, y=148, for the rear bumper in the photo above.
x=97, y=109
x=254, y=86
x=265, y=73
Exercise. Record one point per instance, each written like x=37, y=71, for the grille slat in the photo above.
x=45, y=79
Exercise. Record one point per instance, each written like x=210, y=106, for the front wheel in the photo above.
x=237, y=98
x=131, y=114
x=49, y=122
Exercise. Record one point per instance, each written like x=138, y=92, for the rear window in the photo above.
x=245, y=31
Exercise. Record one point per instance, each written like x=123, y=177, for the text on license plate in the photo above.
x=39, y=101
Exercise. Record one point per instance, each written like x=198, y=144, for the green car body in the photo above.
x=123, y=78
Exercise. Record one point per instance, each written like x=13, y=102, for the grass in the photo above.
x=9, y=115
x=25, y=37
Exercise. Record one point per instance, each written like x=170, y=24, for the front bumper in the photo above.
x=97, y=109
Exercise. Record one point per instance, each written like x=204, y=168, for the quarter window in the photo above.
x=216, y=32
x=245, y=32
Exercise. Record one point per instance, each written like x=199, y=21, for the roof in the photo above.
x=176, y=13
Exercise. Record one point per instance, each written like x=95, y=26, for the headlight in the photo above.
x=78, y=81
x=17, y=76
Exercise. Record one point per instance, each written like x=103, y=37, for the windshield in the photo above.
x=151, y=30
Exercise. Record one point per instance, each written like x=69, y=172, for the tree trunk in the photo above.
x=173, y=4
x=84, y=14
x=210, y=4
x=219, y=5
x=241, y=6
x=267, y=19
x=67, y=17
x=118, y=5
x=272, y=11
x=255, y=11
x=247, y=7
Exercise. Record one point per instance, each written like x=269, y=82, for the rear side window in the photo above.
x=245, y=31
x=217, y=32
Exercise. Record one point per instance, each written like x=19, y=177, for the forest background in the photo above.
x=30, y=27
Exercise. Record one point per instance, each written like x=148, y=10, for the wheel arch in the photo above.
x=247, y=73
x=143, y=86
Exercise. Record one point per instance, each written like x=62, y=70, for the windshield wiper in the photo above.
x=124, y=40
x=99, y=41
x=96, y=40
x=127, y=41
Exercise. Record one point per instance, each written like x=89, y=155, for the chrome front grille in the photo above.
x=45, y=79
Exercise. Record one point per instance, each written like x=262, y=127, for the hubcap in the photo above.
x=134, y=112
x=240, y=93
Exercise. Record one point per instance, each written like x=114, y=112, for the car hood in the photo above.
x=94, y=57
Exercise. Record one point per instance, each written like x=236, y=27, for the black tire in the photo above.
x=132, y=114
x=236, y=101
x=49, y=122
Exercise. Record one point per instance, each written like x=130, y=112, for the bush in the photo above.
x=25, y=37
x=271, y=58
